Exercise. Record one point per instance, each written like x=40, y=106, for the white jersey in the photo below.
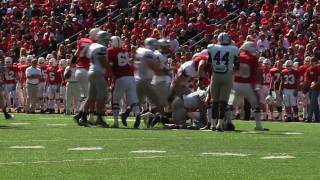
x=192, y=100
x=188, y=70
x=142, y=70
x=94, y=54
x=163, y=61
x=222, y=57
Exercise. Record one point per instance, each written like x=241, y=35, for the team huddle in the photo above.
x=208, y=89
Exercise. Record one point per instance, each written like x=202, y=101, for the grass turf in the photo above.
x=183, y=158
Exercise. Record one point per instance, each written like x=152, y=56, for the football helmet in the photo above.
x=23, y=60
x=224, y=39
x=249, y=47
x=103, y=38
x=116, y=41
x=270, y=99
x=53, y=62
x=63, y=63
x=151, y=43
x=266, y=63
x=41, y=60
x=164, y=45
x=93, y=33
x=8, y=60
x=288, y=64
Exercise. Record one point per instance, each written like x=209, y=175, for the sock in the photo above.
x=257, y=117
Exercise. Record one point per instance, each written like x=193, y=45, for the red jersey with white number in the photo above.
x=276, y=77
x=120, y=62
x=290, y=78
x=83, y=45
x=248, y=69
x=302, y=70
x=44, y=73
x=22, y=72
x=53, y=76
x=10, y=75
x=266, y=76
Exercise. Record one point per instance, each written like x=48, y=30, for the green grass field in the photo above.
x=178, y=154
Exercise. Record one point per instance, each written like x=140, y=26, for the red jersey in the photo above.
x=44, y=73
x=10, y=75
x=266, y=76
x=248, y=69
x=22, y=72
x=120, y=62
x=276, y=77
x=60, y=73
x=290, y=79
x=302, y=71
x=312, y=74
x=83, y=46
x=53, y=75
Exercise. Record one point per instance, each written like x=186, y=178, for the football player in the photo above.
x=124, y=82
x=52, y=84
x=2, y=98
x=224, y=57
x=264, y=91
x=42, y=85
x=20, y=88
x=275, y=99
x=289, y=88
x=246, y=83
x=10, y=78
x=97, y=93
x=303, y=90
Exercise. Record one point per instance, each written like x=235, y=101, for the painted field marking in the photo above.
x=224, y=154
x=20, y=124
x=58, y=125
x=86, y=149
x=27, y=147
x=278, y=157
x=52, y=118
x=292, y=133
x=148, y=151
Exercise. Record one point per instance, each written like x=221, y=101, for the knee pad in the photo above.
x=115, y=106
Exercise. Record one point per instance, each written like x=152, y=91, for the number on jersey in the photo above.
x=52, y=76
x=9, y=75
x=123, y=59
x=220, y=63
x=289, y=79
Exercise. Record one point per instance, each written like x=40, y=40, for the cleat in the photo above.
x=171, y=126
x=154, y=121
x=137, y=122
x=83, y=122
x=124, y=117
x=229, y=127
x=102, y=123
x=218, y=129
x=261, y=129
x=8, y=116
x=206, y=127
x=193, y=127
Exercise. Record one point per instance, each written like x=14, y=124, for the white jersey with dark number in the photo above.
x=222, y=57
x=142, y=70
x=94, y=54
x=192, y=100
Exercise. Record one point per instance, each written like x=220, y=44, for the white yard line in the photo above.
x=148, y=151
x=58, y=125
x=26, y=147
x=224, y=154
x=86, y=149
x=278, y=157
x=20, y=124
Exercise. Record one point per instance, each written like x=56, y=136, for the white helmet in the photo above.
x=63, y=63
x=307, y=60
x=103, y=38
x=150, y=43
x=23, y=60
x=49, y=56
x=53, y=62
x=8, y=60
x=249, y=47
x=93, y=33
x=270, y=100
x=296, y=64
x=116, y=41
x=266, y=62
x=288, y=64
x=164, y=45
x=41, y=60
x=224, y=38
